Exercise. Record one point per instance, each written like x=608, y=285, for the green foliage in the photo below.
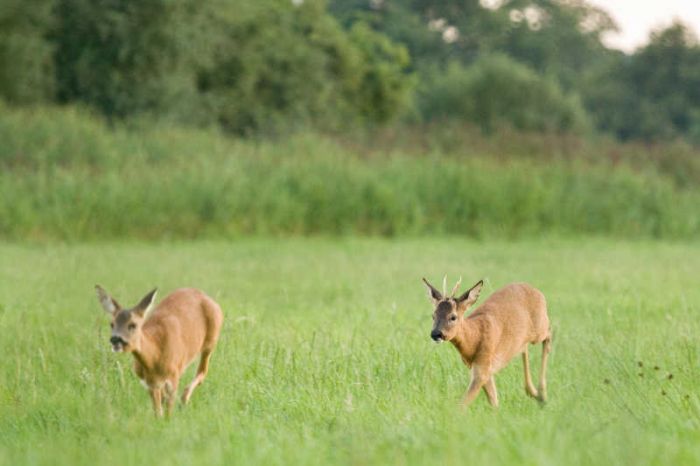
x=276, y=64
x=129, y=57
x=266, y=69
x=66, y=176
x=560, y=39
x=497, y=91
x=397, y=21
x=26, y=68
x=555, y=38
x=652, y=95
x=325, y=357
x=382, y=92
x=248, y=66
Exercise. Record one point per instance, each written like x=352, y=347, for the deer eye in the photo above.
x=453, y=318
x=132, y=326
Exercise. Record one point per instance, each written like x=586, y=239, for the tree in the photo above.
x=126, y=57
x=653, y=94
x=26, y=69
x=277, y=64
x=497, y=91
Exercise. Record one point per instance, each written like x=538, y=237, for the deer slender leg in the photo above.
x=170, y=392
x=199, y=377
x=529, y=386
x=546, y=348
x=479, y=379
x=491, y=393
x=156, y=399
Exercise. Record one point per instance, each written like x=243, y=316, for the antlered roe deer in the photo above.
x=166, y=340
x=499, y=329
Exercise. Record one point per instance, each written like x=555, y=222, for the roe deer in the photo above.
x=166, y=340
x=499, y=329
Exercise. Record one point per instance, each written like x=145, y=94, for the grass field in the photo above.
x=325, y=356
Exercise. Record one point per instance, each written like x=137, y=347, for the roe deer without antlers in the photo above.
x=166, y=340
x=499, y=329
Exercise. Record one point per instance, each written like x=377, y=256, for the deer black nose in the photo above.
x=115, y=340
x=436, y=335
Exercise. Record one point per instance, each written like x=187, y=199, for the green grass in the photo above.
x=67, y=176
x=325, y=356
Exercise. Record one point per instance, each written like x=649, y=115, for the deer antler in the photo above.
x=454, y=290
x=444, y=285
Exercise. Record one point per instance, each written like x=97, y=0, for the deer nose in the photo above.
x=436, y=335
x=115, y=340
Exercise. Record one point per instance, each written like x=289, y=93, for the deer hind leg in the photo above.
x=529, y=386
x=546, y=348
x=491, y=393
x=156, y=399
x=199, y=377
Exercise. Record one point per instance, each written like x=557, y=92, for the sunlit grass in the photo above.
x=325, y=356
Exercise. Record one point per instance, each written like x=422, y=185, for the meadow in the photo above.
x=325, y=355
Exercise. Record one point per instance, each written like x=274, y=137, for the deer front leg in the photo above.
x=479, y=379
x=170, y=392
x=156, y=399
x=490, y=389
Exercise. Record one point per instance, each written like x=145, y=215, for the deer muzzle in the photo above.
x=118, y=343
x=437, y=336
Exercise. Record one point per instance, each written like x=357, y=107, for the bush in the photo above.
x=497, y=91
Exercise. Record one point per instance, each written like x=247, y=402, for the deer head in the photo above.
x=126, y=323
x=449, y=310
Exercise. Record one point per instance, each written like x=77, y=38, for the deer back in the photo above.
x=182, y=325
x=511, y=318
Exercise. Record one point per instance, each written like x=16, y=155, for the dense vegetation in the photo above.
x=66, y=175
x=394, y=117
x=271, y=66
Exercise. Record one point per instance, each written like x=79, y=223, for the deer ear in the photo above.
x=470, y=297
x=146, y=303
x=434, y=294
x=109, y=304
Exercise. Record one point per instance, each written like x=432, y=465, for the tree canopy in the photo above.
x=271, y=65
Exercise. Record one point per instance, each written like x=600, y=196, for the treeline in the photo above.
x=246, y=65
x=265, y=66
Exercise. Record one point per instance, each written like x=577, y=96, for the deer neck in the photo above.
x=467, y=340
x=147, y=352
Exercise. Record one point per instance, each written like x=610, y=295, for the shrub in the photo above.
x=497, y=91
